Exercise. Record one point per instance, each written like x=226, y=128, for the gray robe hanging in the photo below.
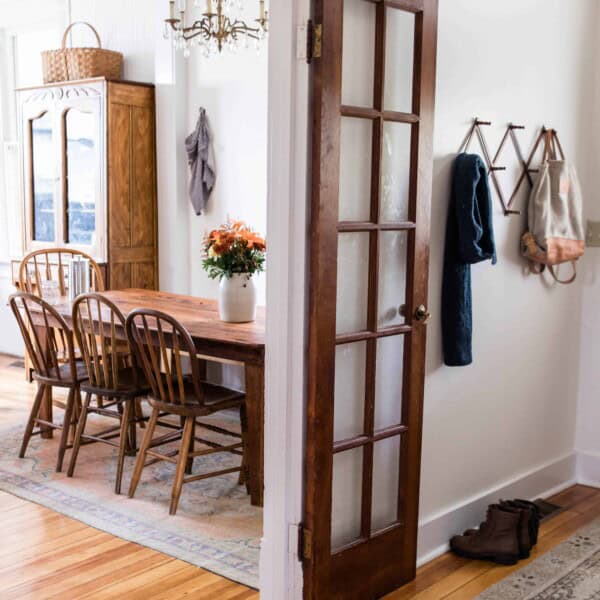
x=201, y=161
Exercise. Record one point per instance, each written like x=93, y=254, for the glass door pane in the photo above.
x=395, y=172
x=389, y=381
x=349, y=401
x=81, y=165
x=352, y=282
x=355, y=169
x=393, y=256
x=358, y=57
x=399, y=53
x=347, y=497
x=42, y=177
x=386, y=477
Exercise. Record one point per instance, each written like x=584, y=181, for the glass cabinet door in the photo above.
x=64, y=162
x=80, y=167
x=42, y=178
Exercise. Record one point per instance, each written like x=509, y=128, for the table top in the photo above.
x=200, y=316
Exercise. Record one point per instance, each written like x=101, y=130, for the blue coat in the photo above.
x=469, y=240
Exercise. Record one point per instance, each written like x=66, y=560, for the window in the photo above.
x=21, y=44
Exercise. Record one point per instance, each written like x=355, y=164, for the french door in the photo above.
x=372, y=100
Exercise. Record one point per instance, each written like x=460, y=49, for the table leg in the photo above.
x=46, y=406
x=255, y=409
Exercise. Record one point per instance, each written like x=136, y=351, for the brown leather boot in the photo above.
x=496, y=539
x=534, y=522
x=525, y=533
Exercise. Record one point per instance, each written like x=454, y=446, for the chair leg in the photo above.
x=189, y=467
x=78, y=434
x=184, y=449
x=243, y=473
x=139, y=412
x=75, y=416
x=35, y=409
x=123, y=443
x=132, y=434
x=64, y=438
x=141, y=458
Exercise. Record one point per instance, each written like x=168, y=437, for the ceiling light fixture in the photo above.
x=217, y=29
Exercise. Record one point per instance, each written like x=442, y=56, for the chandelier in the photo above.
x=218, y=29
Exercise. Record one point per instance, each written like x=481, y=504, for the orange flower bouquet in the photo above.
x=233, y=248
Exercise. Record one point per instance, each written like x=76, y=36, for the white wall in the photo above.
x=233, y=88
x=127, y=26
x=514, y=409
x=588, y=414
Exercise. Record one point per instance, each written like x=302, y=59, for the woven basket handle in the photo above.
x=68, y=29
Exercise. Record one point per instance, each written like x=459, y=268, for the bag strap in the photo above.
x=549, y=146
x=68, y=29
x=566, y=281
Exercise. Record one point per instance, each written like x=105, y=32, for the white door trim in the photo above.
x=281, y=571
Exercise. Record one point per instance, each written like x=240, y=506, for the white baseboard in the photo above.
x=588, y=468
x=436, y=530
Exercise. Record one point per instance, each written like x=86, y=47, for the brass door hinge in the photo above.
x=306, y=541
x=314, y=39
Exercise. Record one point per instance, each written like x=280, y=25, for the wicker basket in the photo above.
x=68, y=64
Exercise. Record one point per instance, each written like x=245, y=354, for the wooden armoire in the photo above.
x=89, y=175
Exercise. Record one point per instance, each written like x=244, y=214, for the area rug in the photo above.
x=215, y=528
x=571, y=571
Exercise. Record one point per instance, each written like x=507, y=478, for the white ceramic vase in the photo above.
x=237, y=298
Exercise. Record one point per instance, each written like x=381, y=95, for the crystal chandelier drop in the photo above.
x=217, y=29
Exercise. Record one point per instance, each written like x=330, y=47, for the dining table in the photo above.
x=214, y=340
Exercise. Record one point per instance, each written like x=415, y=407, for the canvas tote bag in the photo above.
x=555, y=232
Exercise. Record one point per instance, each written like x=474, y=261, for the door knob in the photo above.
x=422, y=314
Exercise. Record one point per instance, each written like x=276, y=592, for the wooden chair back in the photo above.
x=161, y=342
x=96, y=323
x=50, y=351
x=52, y=264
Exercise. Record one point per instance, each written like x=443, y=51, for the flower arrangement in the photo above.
x=233, y=248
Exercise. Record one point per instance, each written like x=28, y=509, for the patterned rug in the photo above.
x=215, y=528
x=571, y=571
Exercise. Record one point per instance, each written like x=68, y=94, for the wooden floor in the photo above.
x=46, y=555
x=452, y=578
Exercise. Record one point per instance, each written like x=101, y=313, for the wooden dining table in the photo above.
x=215, y=340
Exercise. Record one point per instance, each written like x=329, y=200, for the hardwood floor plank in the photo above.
x=128, y=586
x=39, y=543
x=198, y=588
x=54, y=562
x=572, y=496
x=59, y=581
x=153, y=589
x=107, y=574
